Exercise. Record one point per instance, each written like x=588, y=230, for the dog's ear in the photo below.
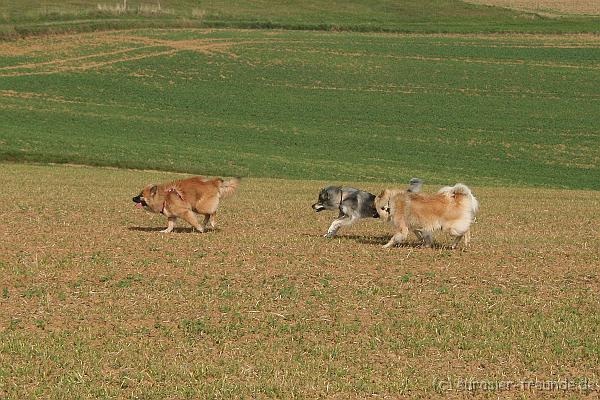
x=153, y=190
x=383, y=193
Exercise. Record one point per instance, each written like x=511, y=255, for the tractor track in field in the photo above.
x=138, y=48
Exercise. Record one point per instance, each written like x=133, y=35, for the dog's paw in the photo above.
x=165, y=231
x=329, y=235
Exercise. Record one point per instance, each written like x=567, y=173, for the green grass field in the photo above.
x=502, y=110
x=23, y=17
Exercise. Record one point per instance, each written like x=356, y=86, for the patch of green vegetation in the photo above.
x=498, y=110
x=19, y=17
x=194, y=327
x=128, y=281
x=34, y=292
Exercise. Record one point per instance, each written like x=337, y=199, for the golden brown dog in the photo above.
x=452, y=209
x=186, y=198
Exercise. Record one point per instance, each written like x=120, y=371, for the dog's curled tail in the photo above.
x=462, y=190
x=227, y=188
x=459, y=188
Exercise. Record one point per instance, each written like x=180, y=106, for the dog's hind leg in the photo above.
x=170, y=225
x=419, y=235
x=338, y=223
x=457, y=237
x=456, y=242
x=210, y=220
x=467, y=236
x=427, y=238
x=191, y=218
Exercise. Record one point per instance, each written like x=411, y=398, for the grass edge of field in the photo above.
x=174, y=173
x=526, y=22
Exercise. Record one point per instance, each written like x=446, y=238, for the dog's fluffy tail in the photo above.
x=462, y=190
x=227, y=188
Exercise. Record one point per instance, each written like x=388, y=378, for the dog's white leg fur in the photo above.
x=391, y=243
x=170, y=225
x=396, y=239
x=467, y=236
x=337, y=224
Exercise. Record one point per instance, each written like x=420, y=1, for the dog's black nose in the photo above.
x=136, y=199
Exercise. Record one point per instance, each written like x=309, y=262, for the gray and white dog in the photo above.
x=352, y=204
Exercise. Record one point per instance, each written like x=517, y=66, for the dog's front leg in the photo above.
x=466, y=235
x=337, y=224
x=170, y=225
x=396, y=239
x=389, y=244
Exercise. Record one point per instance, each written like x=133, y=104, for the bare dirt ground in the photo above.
x=557, y=7
x=95, y=302
x=81, y=52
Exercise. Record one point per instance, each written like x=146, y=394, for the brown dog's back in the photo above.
x=203, y=194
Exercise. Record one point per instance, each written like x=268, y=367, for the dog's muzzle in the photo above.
x=139, y=200
x=318, y=207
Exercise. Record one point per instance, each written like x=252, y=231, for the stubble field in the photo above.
x=96, y=303
x=552, y=7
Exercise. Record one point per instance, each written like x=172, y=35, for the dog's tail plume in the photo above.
x=229, y=187
x=462, y=190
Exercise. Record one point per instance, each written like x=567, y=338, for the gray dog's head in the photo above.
x=329, y=199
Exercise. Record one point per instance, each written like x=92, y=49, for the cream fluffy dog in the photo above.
x=452, y=209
